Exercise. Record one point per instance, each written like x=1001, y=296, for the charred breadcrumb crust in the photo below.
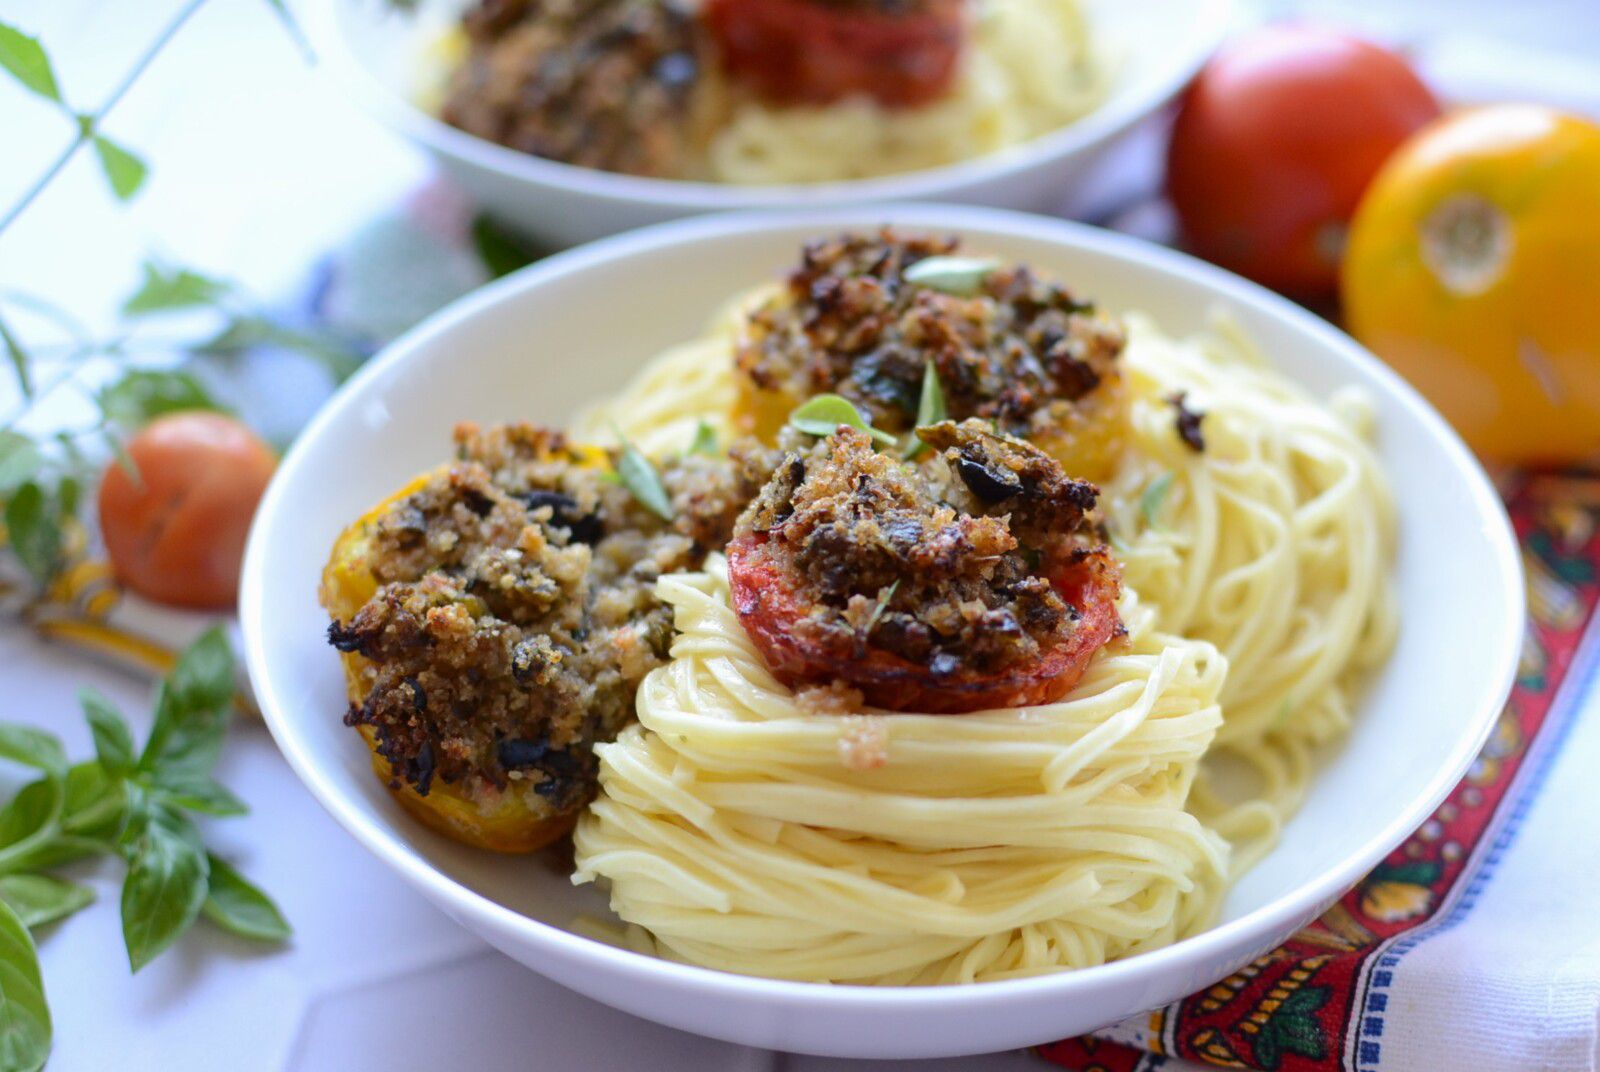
x=938, y=563
x=515, y=614
x=1016, y=352
x=598, y=83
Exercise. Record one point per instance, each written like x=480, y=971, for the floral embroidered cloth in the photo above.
x=1466, y=950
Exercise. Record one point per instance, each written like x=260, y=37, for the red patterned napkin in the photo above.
x=1322, y=1000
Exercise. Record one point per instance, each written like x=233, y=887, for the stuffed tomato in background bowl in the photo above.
x=680, y=108
x=673, y=905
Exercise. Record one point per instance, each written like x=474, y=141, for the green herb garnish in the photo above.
x=961, y=276
x=930, y=409
x=1154, y=495
x=882, y=605
x=705, y=439
x=130, y=803
x=636, y=473
x=823, y=415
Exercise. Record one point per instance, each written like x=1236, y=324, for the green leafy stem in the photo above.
x=137, y=804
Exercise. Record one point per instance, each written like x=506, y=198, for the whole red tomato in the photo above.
x=175, y=529
x=1274, y=144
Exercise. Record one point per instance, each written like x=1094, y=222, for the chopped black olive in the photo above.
x=345, y=638
x=1189, y=423
x=421, y=773
x=991, y=485
x=521, y=753
x=584, y=528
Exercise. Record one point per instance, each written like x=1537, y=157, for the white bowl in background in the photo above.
x=1153, y=47
x=545, y=341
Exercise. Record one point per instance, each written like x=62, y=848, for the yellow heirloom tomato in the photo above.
x=1473, y=268
x=503, y=822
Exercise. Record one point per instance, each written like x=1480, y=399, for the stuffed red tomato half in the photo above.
x=970, y=581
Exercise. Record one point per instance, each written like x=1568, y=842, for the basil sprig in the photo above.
x=1153, y=497
x=127, y=802
x=705, y=439
x=638, y=474
x=930, y=410
x=960, y=276
x=822, y=416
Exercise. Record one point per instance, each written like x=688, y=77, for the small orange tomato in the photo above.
x=175, y=530
x=1471, y=269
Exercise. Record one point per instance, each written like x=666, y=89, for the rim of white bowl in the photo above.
x=1212, y=20
x=1268, y=919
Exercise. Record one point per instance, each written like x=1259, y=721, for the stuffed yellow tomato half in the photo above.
x=496, y=615
x=890, y=320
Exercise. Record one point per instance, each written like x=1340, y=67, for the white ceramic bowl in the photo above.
x=1154, y=47
x=545, y=341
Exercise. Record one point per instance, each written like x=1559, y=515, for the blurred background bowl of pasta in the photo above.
x=547, y=343
x=1040, y=91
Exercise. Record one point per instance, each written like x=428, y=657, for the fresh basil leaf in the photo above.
x=880, y=606
x=29, y=822
x=705, y=440
x=237, y=905
x=338, y=355
x=113, y=741
x=21, y=363
x=500, y=251
x=20, y=460
x=961, y=276
x=40, y=899
x=33, y=747
x=197, y=792
x=124, y=170
x=34, y=532
x=192, y=708
x=57, y=851
x=1154, y=495
x=822, y=416
x=930, y=408
x=95, y=801
x=639, y=476
x=139, y=396
x=165, y=288
x=24, y=1013
x=166, y=883
x=68, y=492
x=26, y=61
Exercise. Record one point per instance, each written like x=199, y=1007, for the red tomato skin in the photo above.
x=805, y=52
x=1274, y=144
x=176, y=532
x=768, y=606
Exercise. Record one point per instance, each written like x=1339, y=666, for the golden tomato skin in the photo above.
x=176, y=532
x=500, y=823
x=1471, y=269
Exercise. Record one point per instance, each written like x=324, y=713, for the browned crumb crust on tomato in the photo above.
x=600, y=83
x=515, y=612
x=938, y=563
x=1015, y=351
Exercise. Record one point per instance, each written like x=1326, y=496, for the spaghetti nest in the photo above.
x=1255, y=531
x=742, y=829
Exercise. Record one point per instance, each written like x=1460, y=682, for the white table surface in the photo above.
x=258, y=164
